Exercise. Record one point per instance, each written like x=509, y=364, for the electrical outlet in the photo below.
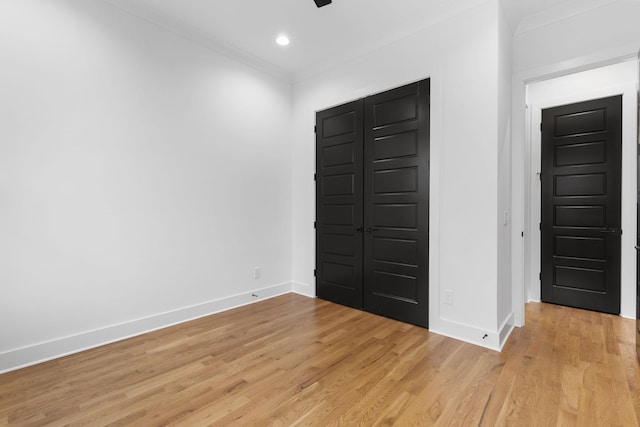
x=447, y=297
x=257, y=273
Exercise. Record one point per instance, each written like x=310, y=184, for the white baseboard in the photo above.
x=493, y=340
x=505, y=329
x=26, y=356
x=42, y=352
x=303, y=289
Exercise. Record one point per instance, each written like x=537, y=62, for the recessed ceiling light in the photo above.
x=282, y=40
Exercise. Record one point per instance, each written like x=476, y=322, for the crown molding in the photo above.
x=186, y=32
x=558, y=13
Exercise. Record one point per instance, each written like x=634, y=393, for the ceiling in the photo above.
x=327, y=36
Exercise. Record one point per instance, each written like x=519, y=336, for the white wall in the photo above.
x=612, y=25
x=142, y=176
x=461, y=58
x=601, y=36
x=618, y=79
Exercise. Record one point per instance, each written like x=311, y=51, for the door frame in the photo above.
x=520, y=151
x=533, y=190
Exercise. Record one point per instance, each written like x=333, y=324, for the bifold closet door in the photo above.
x=339, y=204
x=372, y=203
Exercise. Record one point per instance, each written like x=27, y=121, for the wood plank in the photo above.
x=292, y=360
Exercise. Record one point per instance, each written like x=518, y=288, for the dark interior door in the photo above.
x=638, y=229
x=638, y=239
x=581, y=185
x=372, y=204
x=339, y=204
x=396, y=203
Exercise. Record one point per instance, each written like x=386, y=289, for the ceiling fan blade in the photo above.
x=321, y=3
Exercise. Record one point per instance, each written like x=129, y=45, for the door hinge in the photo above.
x=315, y=274
x=315, y=224
x=540, y=226
x=315, y=177
x=522, y=233
x=315, y=129
x=540, y=126
x=540, y=276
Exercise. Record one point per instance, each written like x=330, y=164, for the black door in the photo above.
x=638, y=239
x=396, y=201
x=581, y=185
x=372, y=203
x=339, y=204
x=638, y=231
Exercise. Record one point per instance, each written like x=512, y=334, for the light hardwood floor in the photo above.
x=298, y=361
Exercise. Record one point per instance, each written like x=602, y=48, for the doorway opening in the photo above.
x=618, y=79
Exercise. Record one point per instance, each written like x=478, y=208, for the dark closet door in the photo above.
x=396, y=203
x=339, y=204
x=581, y=185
